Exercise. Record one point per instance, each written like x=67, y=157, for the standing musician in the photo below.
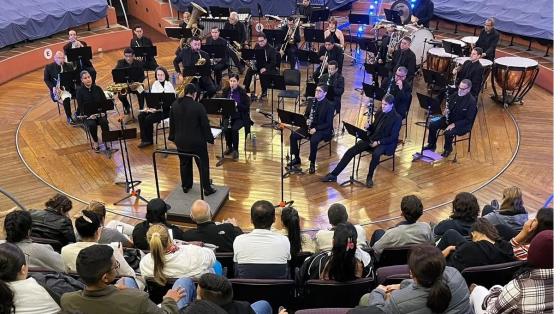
x=334, y=32
x=488, y=40
x=190, y=57
x=401, y=89
x=319, y=114
x=404, y=57
x=383, y=137
x=422, y=13
x=305, y=9
x=73, y=42
x=383, y=51
x=333, y=53
x=458, y=118
x=130, y=62
x=51, y=76
x=89, y=97
x=292, y=46
x=240, y=118
x=269, y=66
x=333, y=80
x=472, y=69
x=234, y=24
x=221, y=65
x=190, y=130
x=147, y=118
x=139, y=40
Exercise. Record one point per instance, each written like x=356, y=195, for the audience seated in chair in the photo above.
x=511, y=213
x=18, y=293
x=156, y=213
x=108, y=235
x=486, y=247
x=464, y=213
x=262, y=253
x=54, y=222
x=169, y=260
x=407, y=232
x=531, y=291
x=434, y=288
x=543, y=221
x=207, y=231
x=299, y=242
x=18, y=229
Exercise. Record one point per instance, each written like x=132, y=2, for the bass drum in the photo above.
x=419, y=37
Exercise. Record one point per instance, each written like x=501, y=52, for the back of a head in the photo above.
x=337, y=214
x=98, y=208
x=545, y=220
x=512, y=202
x=59, y=203
x=427, y=265
x=17, y=225
x=262, y=214
x=541, y=250
x=482, y=225
x=465, y=207
x=87, y=224
x=158, y=239
x=342, y=265
x=203, y=307
x=156, y=211
x=290, y=220
x=11, y=261
x=411, y=208
x=200, y=212
x=93, y=262
x=216, y=289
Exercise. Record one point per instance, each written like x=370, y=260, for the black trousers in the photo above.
x=363, y=146
x=92, y=124
x=232, y=134
x=449, y=135
x=205, y=83
x=451, y=237
x=249, y=76
x=146, y=122
x=218, y=69
x=67, y=108
x=291, y=53
x=203, y=165
x=314, y=141
x=126, y=103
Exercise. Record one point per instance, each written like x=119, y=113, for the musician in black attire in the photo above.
x=292, y=47
x=334, y=53
x=400, y=89
x=187, y=18
x=221, y=65
x=404, y=57
x=461, y=113
x=488, y=40
x=51, y=76
x=90, y=97
x=319, y=114
x=381, y=56
x=305, y=9
x=266, y=67
x=139, y=40
x=422, y=12
x=130, y=62
x=335, y=83
x=188, y=58
x=190, y=130
x=472, y=69
x=73, y=42
x=383, y=137
x=234, y=24
x=240, y=118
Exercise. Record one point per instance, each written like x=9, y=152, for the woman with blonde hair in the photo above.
x=169, y=260
x=109, y=232
x=511, y=213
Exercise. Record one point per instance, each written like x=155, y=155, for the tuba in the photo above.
x=197, y=12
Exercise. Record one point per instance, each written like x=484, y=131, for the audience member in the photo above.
x=19, y=294
x=156, y=213
x=511, y=213
x=465, y=211
x=54, y=222
x=262, y=253
x=168, y=260
x=532, y=227
x=486, y=247
x=203, y=307
x=108, y=235
x=299, y=242
x=407, y=232
x=207, y=231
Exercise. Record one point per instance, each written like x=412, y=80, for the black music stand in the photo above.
x=294, y=119
x=375, y=93
x=230, y=35
x=452, y=48
x=174, y=32
x=99, y=110
x=357, y=133
x=161, y=101
x=275, y=36
x=359, y=19
x=197, y=70
x=147, y=54
x=312, y=35
x=434, y=79
x=71, y=80
x=256, y=55
x=127, y=75
x=224, y=108
x=393, y=16
x=79, y=55
x=217, y=11
x=320, y=15
x=309, y=56
x=272, y=82
x=432, y=107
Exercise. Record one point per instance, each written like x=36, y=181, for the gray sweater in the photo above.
x=41, y=255
x=405, y=234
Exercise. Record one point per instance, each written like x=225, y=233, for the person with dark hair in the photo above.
x=266, y=66
x=333, y=53
x=488, y=39
x=383, y=136
x=511, y=213
x=337, y=214
x=190, y=57
x=465, y=210
x=18, y=293
x=139, y=40
x=156, y=213
x=82, y=64
x=543, y=221
x=218, y=290
x=137, y=76
x=299, y=242
x=108, y=234
x=434, y=288
x=405, y=57
x=335, y=83
x=17, y=225
x=90, y=98
x=486, y=247
x=401, y=89
x=319, y=114
x=292, y=45
x=219, y=65
x=98, y=268
x=262, y=253
x=240, y=118
x=422, y=13
x=407, y=232
x=54, y=222
x=472, y=69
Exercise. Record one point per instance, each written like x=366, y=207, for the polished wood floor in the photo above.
x=60, y=156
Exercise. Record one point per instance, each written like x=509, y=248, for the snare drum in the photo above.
x=419, y=37
x=486, y=65
x=515, y=76
x=439, y=60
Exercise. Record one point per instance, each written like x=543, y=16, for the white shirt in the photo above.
x=167, y=88
x=261, y=246
x=30, y=297
x=324, y=238
x=70, y=254
x=187, y=261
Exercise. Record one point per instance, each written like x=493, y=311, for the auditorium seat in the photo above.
x=278, y=292
x=330, y=293
x=490, y=275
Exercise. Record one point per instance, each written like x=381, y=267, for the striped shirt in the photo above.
x=520, y=251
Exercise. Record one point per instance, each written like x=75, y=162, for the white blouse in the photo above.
x=187, y=261
x=167, y=88
x=30, y=297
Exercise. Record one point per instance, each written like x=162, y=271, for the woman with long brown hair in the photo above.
x=511, y=213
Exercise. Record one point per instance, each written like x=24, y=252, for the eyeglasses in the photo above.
x=398, y=75
x=464, y=88
x=116, y=266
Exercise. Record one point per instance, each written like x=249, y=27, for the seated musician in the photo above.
x=234, y=24
x=185, y=22
x=139, y=40
x=147, y=118
x=488, y=40
x=305, y=9
x=221, y=65
x=130, y=62
x=333, y=80
x=319, y=114
x=383, y=136
x=403, y=56
x=240, y=118
x=422, y=13
x=334, y=32
x=59, y=93
x=399, y=87
x=74, y=42
x=292, y=47
x=189, y=57
x=268, y=67
x=333, y=53
x=458, y=118
x=381, y=56
x=90, y=97
x=472, y=69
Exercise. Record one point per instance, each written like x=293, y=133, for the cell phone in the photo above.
x=120, y=228
x=116, y=245
x=170, y=234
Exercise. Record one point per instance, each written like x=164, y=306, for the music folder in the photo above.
x=356, y=131
x=292, y=118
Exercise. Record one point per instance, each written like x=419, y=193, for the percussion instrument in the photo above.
x=470, y=40
x=515, y=76
x=486, y=65
x=456, y=42
x=439, y=61
x=419, y=35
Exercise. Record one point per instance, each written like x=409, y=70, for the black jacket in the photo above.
x=50, y=224
x=474, y=72
x=384, y=47
x=323, y=117
x=187, y=57
x=140, y=230
x=85, y=63
x=385, y=128
x=480, y=253
x=403, y=98
x=188, y=125
x=50, y=74
x=240, y=28
x=142, y=42
x=424, y=11
x=243, y=108
x=269, y=63
x=335, y=54
x=462, y=112
x=238, y=307
x=336, y=88
x=221, y=235
x=122, y=64
x=408, y=60
x=89, y=100
x=461, y=226
x=488, y=43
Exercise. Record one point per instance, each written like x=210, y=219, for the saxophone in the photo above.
x=122, y=88
x=180, y=89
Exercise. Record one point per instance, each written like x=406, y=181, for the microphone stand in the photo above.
x=421, y=155
x=282, y=202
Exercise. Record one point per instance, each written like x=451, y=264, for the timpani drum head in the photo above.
x=470, y=39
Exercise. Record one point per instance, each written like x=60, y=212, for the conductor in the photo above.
x=190, y=130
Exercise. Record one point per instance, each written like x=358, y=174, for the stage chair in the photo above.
x=292, y=77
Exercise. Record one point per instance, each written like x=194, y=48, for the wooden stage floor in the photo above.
x=60, y=156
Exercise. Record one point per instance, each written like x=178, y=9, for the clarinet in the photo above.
x=312, y=113
x=229, y=118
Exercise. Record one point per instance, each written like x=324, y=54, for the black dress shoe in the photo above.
x=186, y=189
x=329, y=178
x=294, y=162
x=445, y=153
x=209, y=191
x=312, y=168
x=228, y=151
x=369, y=182
x=429, y=147
x=235, y=155
x=144, y=144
